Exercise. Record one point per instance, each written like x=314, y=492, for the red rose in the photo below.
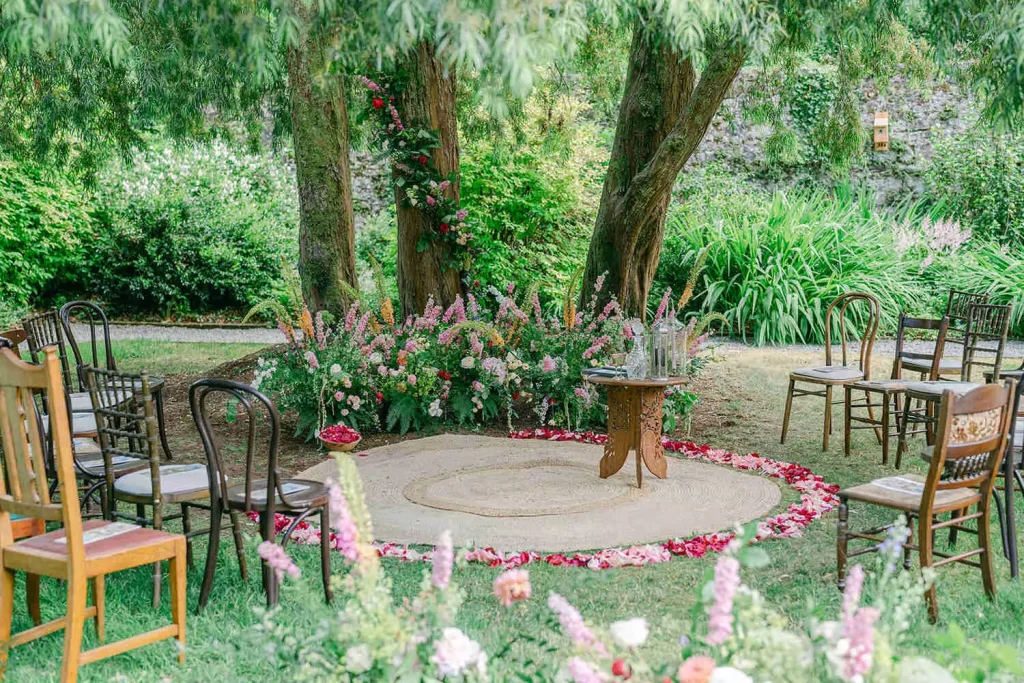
x=422, y=159
x=476, y=283
x=377, y=103
x=621, y=669
x=515, y=396
x=444, y=228
x=380, y=397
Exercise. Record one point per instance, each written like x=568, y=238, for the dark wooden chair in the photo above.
x=957, y=309
x=13, y=339
x=971, y=439
x=80, y=554
x=264, y=490
x=890, y=391
x=823, y=379
x=132, y=470
x=99, y=353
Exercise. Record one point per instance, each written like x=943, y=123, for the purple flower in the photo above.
x=582, y=672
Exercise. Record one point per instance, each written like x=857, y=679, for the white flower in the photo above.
x=376, y=358
x=335, y=370
x=729, y=674
x=468, y=362
x=435, y=408
x=358, y=659
x=630, y=632
x=455, y=652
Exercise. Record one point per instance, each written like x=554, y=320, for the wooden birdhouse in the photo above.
x=881, y=131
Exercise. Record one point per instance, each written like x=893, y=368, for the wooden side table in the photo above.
x=634, y=423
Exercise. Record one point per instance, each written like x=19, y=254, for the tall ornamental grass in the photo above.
x=774, y=266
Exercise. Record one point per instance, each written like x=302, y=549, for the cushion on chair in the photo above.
x=881, y=384
x=937, y=388
x=300, y=492
x=833, y=373
x=84, y=423
x=85, y=448
x=173, y=479
x=903, y=492
x=946, y=365
x=81, y=402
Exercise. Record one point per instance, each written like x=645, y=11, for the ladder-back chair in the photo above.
x=971, y=439
x=264, y=489
x=824, y=378
x=80, y=554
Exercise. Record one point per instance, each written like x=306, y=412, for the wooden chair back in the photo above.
x=985, y=339
x=837, y=315
x=43, y=330
x=957, y=306
x=13, y=339
x=24, y=489
x=261, y=457
x=125, y=420
x=941, y=327
x=971, y=437
x=100, y=352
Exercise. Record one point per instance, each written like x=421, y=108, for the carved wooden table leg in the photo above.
x=620, y=434
x=648, y=419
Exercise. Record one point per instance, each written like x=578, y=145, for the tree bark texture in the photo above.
x=427, y=101
x=664, y=114
x=327, y=257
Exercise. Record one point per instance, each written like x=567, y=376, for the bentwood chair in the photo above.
x=264, y=490
x=133, y=473
x=101, y=354
x=972, y=434
x=890, y=391
x=823, y=379
x=80, y=554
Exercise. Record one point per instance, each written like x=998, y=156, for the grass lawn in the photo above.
x=741, y=410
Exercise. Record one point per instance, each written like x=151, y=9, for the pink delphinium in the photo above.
x=859, y=632
x=350, y=317
x=455, y=653
x=394, y=117
x=311, y=360
x=474, y=307
x=512, y=586
x=548, y=364
x=572, y=623
x=369, y=84
x=663, y=305
x=444, y=560
x=475, y=345
x=582, y=672
x=411, y=346
x=538, y=316
x=609, y=309
x=727, y=581
x=456, y=312
x=599, y=282
x=346, y=537
x=361, y=325
x=461, y=214
x=278, y=559
x=596, y=346
x=851, y=594
x=322, y=331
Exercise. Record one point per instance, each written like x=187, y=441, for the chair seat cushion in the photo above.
x=84, y=424
x=101, y=538
x=937, y=388
x=888, y=385
x=829, y=373
x=904, y=492
x=120, y=464
x=946, y=365
x=81, y=402
x=301, y=493
x=174, y=479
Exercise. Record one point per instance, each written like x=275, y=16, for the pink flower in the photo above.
x=278, y=560
x=339, y=396
x=475, y=344
x=445, y=184
x=394, y=117
x=663, y=305
x=311, y=360
x=411, y=379
x=851, y=595
x=369, y=84
x=582, y=672
x=411, y=346
x=696, y=670
x=727, y=581
x=461, y=214
x=346, y=538
x=548, y=364
x=350, y=317
x=431, y=201
x=572, y=623
x=596, y=346
x=478, y=387
x=512, y=586
x=456, y=312
x=444, y=559
x=599, y=282
x=859, y=631
x=538, y=317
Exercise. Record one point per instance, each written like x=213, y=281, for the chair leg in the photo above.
x=901, y=443
x=32, y=598
x=841, y=543
x=871, y=415
x=886, y=419
x=325, y=550
x=157, y=566
x=985, y=543
x=73, y=627
x=236, y=531
x=847, y=409
x=789, y=409
x=99, y=599
x=186, y=528
x=6, y=613
x=211, y=554
x=907, y=551
x=176, y=570
x=828, y=418
x=925, y=541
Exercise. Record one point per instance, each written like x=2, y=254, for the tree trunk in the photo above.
x=427, y=101
x=327, y=257
x=662, y=119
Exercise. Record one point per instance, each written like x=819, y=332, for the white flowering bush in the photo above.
x=192, y=230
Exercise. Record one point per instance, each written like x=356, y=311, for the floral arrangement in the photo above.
x=816, y=498
x=489, y=355
x=339, y=434
x=378, y=638
x=409, y=149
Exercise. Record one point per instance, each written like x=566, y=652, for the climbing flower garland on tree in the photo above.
x=409, y=149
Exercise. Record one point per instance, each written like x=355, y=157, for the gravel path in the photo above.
x=883, y=347
x=224, y=335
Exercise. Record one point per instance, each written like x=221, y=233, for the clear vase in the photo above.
x=636, y=360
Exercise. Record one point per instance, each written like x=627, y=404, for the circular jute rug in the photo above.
x=544, y=496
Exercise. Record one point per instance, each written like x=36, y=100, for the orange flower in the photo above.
x=696, y=670
x=403, y=357
x=387, y=311
x=306, y=325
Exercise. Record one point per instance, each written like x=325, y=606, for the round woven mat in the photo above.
x=543, y=495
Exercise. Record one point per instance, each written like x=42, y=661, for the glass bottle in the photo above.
x=636, y=360
x=662, y=339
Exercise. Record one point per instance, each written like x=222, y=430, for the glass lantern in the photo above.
x=680, y=351
x=662, y=342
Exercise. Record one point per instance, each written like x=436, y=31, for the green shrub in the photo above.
x=980, y=180
x=192, y=230
x=996, y=270
x=43, y=219
x=774, y=266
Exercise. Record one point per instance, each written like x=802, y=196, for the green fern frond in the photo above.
x=378, y=278
x=572, y=287
x=351, y=293
x=477, y=326
x=706, y=320
x=280, y=313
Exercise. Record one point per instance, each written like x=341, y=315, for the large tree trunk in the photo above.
x=428, y=101
x=327, y=257
x=662, y=119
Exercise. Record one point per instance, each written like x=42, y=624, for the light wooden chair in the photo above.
x=80, y=553
x=972, y=435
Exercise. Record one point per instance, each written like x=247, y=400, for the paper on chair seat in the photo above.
x=288, y=489
x=104, y=532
